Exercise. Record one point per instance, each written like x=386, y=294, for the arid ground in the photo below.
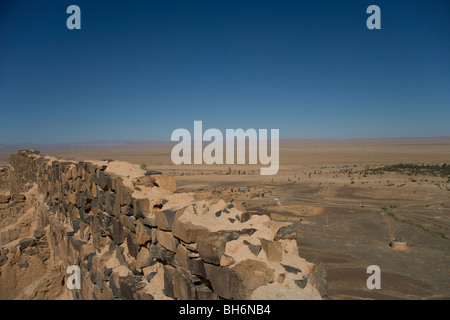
x=349, y=200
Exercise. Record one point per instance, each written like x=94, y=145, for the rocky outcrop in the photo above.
x=134, y=238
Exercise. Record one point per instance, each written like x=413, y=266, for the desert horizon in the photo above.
x=160, y=148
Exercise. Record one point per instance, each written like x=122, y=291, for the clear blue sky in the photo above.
x=137, y=70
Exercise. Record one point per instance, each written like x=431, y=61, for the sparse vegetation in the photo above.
x=411, y=169
x=399, y=218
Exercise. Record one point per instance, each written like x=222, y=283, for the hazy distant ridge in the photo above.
x=169, y=144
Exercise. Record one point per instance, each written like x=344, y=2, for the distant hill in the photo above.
x=418, y=140
x=100, y=144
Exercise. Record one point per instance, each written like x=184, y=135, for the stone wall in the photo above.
x=24, y=173
x=134, y=238
x=4, y=178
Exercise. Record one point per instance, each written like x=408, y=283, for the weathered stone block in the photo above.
x=102, y=180
x=149, y=221
x=3, y=260
x=183, y=288
x=127, y=287
x=80, y=200
x=301, y=283
x=127, y=210
x=143, y=233
x=123, y=193
x=291, y=269
x=128, y=223
x=287, y=232
x=226, y=260
x=164, y=219
x=141, y=208
x=254, y=248
x=191, y=247
x=44, y=256
x=94, y=191
x=144, y=296
x=116, y=207
x=159, y=252
x=117, y=233
x=143, y=259
x=167, y=240
x=169, y=272
x=187, y=231
x=133, y=246
x=220, y=279
x=211, y=246
x=273, y=250
x=114, y=285
x=71, y=198
x=30, y=252
x=105, y=221
x=85, y=217
x=74, y=212
x=182, y=257
x=76, y=183
x=39, y=233
x=197, y=267
x=165, y=181
x=96, y=225
x=247, y=276
x=203, y=292
x=96, y=206
x=109, y=198
x=120, y=256
x=147, y=181
x=75, y=225
x=281, y=277
x=26, y=242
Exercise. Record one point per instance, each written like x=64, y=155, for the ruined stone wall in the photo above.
x=4, y=178
x=130, y=247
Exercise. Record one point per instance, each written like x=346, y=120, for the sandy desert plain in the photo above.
x=346, y=212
